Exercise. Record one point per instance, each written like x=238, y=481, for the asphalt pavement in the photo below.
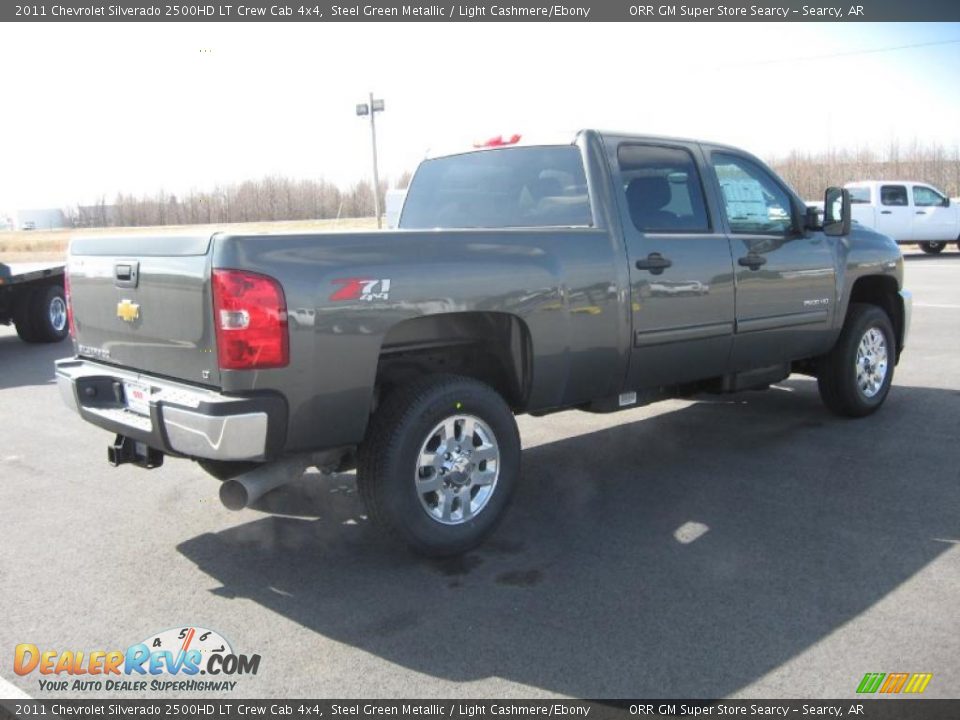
x=730, y=546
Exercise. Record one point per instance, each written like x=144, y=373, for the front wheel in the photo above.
x=933, y=248
x=440, y=463
x=854, y=377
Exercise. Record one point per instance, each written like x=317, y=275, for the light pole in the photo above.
x=372, y=109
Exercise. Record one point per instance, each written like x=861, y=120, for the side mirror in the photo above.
x=836, y=212
x=811, y=218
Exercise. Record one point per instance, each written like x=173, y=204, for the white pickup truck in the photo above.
x=907, y=211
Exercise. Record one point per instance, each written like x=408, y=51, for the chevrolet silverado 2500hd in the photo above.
x=600, y=273
x=909, y=212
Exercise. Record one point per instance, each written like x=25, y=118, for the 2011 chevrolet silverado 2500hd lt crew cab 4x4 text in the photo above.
x=602, y=273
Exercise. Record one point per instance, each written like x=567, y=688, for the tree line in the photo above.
x=279, y=198
x=812, y=173
x=268, y=199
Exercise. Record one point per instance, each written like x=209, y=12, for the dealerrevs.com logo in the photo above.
x=179, y=659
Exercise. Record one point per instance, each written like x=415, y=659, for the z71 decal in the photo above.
x=362, y=289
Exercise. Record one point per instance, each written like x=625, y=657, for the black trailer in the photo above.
x=32, y=297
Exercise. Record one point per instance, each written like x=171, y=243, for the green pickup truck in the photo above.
x=598, y=272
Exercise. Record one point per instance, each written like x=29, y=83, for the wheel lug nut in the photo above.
x=446, y=456
x=458, y=449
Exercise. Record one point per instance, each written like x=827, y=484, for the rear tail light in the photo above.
x=66, y=295
x=250, y=315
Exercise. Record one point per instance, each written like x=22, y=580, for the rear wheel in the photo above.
x=933, y=248
x=440, y=463
x=41, y=315
x=854, y=377
x=23, y=315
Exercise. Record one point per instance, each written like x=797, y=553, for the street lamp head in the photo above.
x=363, y=109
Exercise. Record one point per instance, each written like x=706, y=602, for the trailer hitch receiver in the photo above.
x=127, y=450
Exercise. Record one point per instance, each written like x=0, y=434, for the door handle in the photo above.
x=752, y=261
x=886, y=212
x=921, y=212
x=655, y=263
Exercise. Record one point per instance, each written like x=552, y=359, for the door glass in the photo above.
x=859, y=196
x=893, y=195
x=663, y=190
x=754, y=202
x=926, y=197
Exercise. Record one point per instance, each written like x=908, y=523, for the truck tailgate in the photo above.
x=145, y=303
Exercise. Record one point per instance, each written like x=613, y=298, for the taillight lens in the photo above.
x=66, y=294
x=250, y=315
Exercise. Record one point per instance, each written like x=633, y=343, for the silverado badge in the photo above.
x=128, y=311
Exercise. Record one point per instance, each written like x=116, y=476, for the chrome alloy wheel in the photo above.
x=58, y=314
x=457, y=469
x=872, y=362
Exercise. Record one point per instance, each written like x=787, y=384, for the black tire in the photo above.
x=42, y=315
x=23, y=315
x=389, y=469
x=838, y=370
x=933, y=248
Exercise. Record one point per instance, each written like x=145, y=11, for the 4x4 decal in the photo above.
x=362, y=289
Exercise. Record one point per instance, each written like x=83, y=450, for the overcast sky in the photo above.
x=91, y=109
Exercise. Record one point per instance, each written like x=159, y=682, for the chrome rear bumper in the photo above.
x=183, y=419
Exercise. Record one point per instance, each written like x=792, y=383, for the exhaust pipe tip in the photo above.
x=234, y=495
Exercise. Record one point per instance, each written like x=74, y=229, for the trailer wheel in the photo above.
x=855, y=376
x=23, y=315
x=933, y=248
x=439, y=464
x=42, y=315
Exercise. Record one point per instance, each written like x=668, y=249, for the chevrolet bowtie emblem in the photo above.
x=128, y=311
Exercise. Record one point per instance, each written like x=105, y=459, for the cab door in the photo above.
x=681, y=274
x=785, y=279
x=933, y=218
x=894, y=214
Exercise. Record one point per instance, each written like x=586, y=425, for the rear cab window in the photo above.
x=663, y=189
x=893, y=195
x=519, y=187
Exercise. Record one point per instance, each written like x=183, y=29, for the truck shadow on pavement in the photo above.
x=683, y=555
x=28, y=363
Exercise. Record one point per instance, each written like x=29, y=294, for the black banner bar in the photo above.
x=866, y=709
x=482, y=11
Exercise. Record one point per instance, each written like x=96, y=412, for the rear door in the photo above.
x=933, y=218
x=785, y=280
x=144, y=303
x=894, y=214
x=681, y=274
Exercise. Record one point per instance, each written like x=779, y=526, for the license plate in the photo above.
x=137, y=396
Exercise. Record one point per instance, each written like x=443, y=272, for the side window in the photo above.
x=754, y=202
x=860, y=196
x=663, y=189
x=927, y=197
x=893, y=195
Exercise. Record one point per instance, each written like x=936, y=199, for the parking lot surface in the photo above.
x=745, y=546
